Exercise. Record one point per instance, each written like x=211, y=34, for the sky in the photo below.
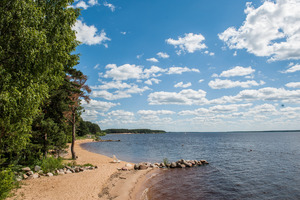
x=194, y=65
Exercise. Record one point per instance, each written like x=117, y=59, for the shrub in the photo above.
x=7, y=183
x=50, y=164
x=165, y=161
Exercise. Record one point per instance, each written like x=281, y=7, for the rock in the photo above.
x=173, y=165
x=136, y=166
x=204, y=162
x=25, y=176
x=72, y=170
x=143, y=167
x=188, y=165
x=61, y=173
x=68, y=167
x=49, y=174
x=19, y=178
x=40, y=172
x=124, y=169
x=96, y=167
x=168, y=165
x=151, y=165
x=77, y=169
x=129, y=166
x=81, y=169
x=29, y=173
x=26, y=169
x=35, y=175
x=162, y=165
x=61, y=170
x=37, y=168
x=68, y=172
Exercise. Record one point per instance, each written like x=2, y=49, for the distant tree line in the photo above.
x=112, y=131
x=86, y=127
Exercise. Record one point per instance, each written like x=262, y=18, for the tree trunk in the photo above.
x=73, y=136
x=45, y=145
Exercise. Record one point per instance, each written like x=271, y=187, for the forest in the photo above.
x=40, y=88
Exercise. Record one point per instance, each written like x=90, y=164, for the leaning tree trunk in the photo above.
x=73, y=136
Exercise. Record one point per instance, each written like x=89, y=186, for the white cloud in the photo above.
x=93, y=2
x=152, y=80
x=263, y=94
x=139, y=56
x=96, y=66
x=112, y=85
x=162, y=55
x=201, y=80
x=123, y=72
x=293, y=68
x=189, y=43
x=81, y=4
x=120, y=113
x=180, y=84
x=293, y=84
x=220, y=84
x=235, y=53
x=98, y=105
x=109, y=5
x=119, y=94
x=180, y=70
x=152, y=59
x=184, y=97
x=123, y=33
x=215, y=109
x=237, y=71
x=155, y=112
x=153, y=71
x=88, y=34
x=272, y=30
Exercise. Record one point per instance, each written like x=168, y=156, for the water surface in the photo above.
x=255, y=165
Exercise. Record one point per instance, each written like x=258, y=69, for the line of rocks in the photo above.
x=178, y=164
x=27, y=173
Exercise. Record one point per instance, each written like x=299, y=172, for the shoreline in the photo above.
x=102, y=183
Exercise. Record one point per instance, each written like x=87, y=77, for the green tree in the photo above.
x=36, y=41
x=78, y=91
x=83, y=128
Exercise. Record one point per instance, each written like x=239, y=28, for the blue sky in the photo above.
x=191, y=65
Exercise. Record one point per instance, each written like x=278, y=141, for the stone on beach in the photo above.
x=26, y=169
x=49, y=174
x=37, y=168
x=143, y=167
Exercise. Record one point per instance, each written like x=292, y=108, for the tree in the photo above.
x=78, y=91
x=36, y=41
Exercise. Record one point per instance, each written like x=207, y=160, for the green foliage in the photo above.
x=86, y=127
x=36, y=41
x=7, y=183
x=166, y=161
x=50, y=164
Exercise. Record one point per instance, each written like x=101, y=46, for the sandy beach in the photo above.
x=106, y=182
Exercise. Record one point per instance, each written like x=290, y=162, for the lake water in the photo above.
x=255, y=165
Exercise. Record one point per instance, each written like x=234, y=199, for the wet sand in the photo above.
x=106, y=182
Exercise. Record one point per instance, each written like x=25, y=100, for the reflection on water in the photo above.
x=260, y=165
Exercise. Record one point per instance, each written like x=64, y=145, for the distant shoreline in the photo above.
x=268, y=131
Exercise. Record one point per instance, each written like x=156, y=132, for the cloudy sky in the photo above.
x=191, y=65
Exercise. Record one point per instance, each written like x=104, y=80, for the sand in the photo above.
x=106, y=182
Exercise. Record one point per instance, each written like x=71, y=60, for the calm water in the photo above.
x=260, y=165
